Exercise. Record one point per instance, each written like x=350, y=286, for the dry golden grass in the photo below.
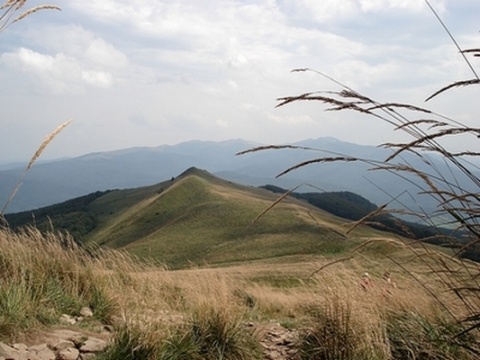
x=283, y=292
x=285, y=287
x=157, y=304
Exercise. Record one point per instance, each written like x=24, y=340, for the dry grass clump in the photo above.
x=191, y=314
x=45, y=275
x=207, y=333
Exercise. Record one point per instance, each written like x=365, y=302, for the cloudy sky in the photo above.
x=152, y=72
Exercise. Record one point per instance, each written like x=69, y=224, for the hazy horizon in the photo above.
x=43, y=159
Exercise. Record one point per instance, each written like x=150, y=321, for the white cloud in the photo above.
x=290, y=119
x=97, y=78
x=321, y=11
x=74, y=58
x=213, y=68
x=59, y=73
x=100, y=53
x=379, y=5
x=32, y=60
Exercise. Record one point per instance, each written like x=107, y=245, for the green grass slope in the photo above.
x=201, y=219
x=196, y=219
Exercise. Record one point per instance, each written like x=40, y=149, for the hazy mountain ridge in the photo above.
x=57, y=181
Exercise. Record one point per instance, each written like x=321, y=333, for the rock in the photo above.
x=67, y=319
x=59, y=344
x=41, y=352
x=74, y=336
x=68, y=354
x=8, y=352
x=278, y=342
x=86, y=312
x=62, y=344
x=38, y=348
x=20, y=347
x=87, y=356
x=93, y=345
x=274, y=355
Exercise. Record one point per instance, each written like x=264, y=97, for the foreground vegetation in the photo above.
x=204, y=313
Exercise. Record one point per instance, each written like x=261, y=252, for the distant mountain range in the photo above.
x=56, y=181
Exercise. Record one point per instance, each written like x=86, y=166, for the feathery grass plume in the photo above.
x=34, y=10
x=455, y=84
x=47, y=141
x=329, y=264
x=475, y=52
x=273, y=147
x=11, y=7
x=280, y=199
x=316, y=161
x=34, y=158
x=372, y=214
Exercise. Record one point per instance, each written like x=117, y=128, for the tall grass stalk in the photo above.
x=12, y=11
x=458, y=203
x=34, y=158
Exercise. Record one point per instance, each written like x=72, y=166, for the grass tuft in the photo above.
x=44, y=276
x=129, y=343
x=332, y=336
x=411, y=335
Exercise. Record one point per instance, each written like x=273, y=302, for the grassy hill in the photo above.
x=195, y=219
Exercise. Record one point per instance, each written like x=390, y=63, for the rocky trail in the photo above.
x=58, y=344
x=278, y=342
x=72, y=341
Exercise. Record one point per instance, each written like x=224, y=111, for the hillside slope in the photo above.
x=195, y=219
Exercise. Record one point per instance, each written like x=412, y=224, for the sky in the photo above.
x=147, y=73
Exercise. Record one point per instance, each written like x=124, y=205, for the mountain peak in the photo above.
x=194, y=171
